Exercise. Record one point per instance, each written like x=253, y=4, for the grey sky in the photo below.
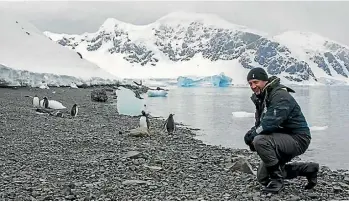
x=325, y=18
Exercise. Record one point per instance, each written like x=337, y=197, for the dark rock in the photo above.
x=99, y=95
x=241, y=164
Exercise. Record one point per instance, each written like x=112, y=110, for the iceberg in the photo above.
x=128, y=104
x=220, y=80
x=157, y=93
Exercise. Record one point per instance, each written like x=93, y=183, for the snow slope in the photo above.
x=307, y=46
x=185, y=44
x=26, y=50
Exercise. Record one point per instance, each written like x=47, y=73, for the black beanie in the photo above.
x=257, y=73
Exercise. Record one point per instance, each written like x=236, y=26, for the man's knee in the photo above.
x=261, y=141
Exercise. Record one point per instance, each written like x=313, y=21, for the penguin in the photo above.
x=74, y=110
x=170, y=124
x=145, y=109
x=36, y=101
x=51, y=104
x=144, y=120
x=45, y=102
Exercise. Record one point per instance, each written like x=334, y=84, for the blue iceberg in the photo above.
x=128, y=104
x=220, y=80
x=186, y=81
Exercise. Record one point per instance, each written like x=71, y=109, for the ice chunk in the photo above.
x=220, y=80
x=242, y=114
x=128, y=104
x=318, y=128
x=157, y=93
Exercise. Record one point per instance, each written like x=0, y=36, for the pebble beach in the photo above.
x=92, y=157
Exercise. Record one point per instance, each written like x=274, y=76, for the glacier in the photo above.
x=29, y=58
x=220, y=80
x=12, y=77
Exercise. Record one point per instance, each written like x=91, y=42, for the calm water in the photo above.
x=210, y=109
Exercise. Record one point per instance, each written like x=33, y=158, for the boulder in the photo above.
x=99, y=95
x=139, y=132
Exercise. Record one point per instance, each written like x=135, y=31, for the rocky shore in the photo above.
x=91, y=157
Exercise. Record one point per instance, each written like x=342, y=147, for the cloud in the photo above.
x=74, y=17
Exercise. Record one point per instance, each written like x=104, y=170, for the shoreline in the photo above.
x=85, y=158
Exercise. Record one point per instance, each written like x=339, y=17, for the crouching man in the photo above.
x=280, y=133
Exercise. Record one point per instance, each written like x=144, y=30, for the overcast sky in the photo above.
x=329, y=19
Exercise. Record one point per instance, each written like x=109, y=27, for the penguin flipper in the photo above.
x=165, y=124
x=148, y=123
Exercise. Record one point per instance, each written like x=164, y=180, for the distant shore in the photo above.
x=90, y=157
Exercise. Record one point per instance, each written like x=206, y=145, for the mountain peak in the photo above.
x=110, y=23
x=208, y=19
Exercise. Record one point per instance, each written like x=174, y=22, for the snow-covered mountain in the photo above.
x=28, y=57
x=183, y=43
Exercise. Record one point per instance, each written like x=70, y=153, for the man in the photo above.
x=280, y=133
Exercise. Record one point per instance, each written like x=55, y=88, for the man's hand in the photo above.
x=249, y=136
x=252, y=147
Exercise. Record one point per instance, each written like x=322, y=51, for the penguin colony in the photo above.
x=144, y=121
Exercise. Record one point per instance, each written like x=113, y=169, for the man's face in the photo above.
x=257, y=85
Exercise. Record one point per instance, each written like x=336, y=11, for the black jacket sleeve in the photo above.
x=281, y=104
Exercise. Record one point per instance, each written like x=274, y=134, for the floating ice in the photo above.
x=242, y=114
x=318, y=128
x=157, y=93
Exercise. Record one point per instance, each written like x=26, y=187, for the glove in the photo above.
x=249, y=136
x=252, y=147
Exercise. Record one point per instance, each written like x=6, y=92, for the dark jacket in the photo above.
x=278, y=111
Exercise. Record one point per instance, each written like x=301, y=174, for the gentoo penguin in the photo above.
x=145, y=109
x=144, y=120
x=45, y=102
x=36, y=101
x=74, y=110
x=170, y=124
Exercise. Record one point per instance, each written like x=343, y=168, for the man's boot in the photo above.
x=309, y=170
x=276, y=183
